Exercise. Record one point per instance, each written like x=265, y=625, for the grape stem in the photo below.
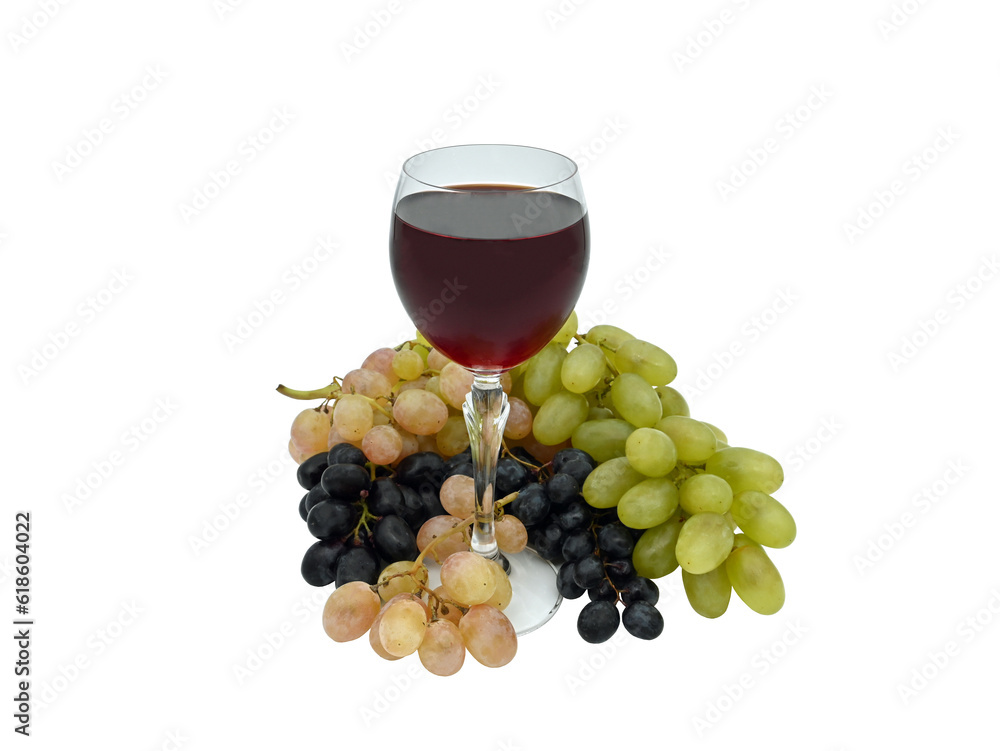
x=431, y=594
x=603, y=344
x=379, y=407
x=507, y=452
x=460, y=527
x=366, y=516
x=618, y=595
x=419, y=563
x=327, y=392
x=332, y=392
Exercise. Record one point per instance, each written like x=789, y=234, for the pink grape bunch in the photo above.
x=402, y=616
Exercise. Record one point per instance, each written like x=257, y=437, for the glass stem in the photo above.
x=486, y=411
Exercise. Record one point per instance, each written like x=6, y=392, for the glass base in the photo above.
x=533, y=580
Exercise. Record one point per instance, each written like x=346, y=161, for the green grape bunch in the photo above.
x=694, y=502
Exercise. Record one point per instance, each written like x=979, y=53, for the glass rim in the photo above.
x=406, y=164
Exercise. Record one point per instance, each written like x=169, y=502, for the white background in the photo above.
x=655, y=133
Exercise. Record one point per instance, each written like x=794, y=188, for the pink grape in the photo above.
x=382, y=444
x=410, y=445
x=446, y=610
x=436, y=361
x=427, y=442
x=368, y=383
x=458, y=496
x=456, y=382
x=442, y=651
x=488, y=635
x=381, y=362
x=503, y=593
x=419, y=412
x=352, y=417
x=506, y=382
x=350, y=611
x=334, y=437
x=402, y=627
x=437, y=526
x=512, y=537
x=453, y=438
x=468, y=578
x=519, y=420
x=298, y=455
x=375, y=642
x=309, y=430
x=419, y=383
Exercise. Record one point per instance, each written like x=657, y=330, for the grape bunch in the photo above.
x=401, y=615
x=374, y=531
x=604, y=472
x=594, y=548
x=398, y=403
x=367, y=516
x=688, y=499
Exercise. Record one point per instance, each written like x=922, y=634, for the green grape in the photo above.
x=568, y=330
x=583, y=368
x=728, y=516
x=600, y=413
x=745, y=469
x=647, y=360
x=709, y=594
x=755, y=578
x=651, y=452
x=694, y=440
x=706, y=493
x=608, y=338
x=648, y=504
x=423, y=351
x=558, y=417
x=543, y=376
x=763, y=518
x=408, y=365
x=605, y=485
x=654, y=554
x=603, y=439
x=636, y=401
x=672, y=401
x=703, y=543
x=719, y=435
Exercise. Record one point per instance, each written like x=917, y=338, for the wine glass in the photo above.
x=489, y=251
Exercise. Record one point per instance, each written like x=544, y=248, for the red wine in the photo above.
x=490, y=274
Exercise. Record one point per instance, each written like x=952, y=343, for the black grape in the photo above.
x=346, y=481
x=311, y=470
x=598, y=621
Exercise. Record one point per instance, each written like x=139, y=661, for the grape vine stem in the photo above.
x=327, y=392
x=460, y=527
